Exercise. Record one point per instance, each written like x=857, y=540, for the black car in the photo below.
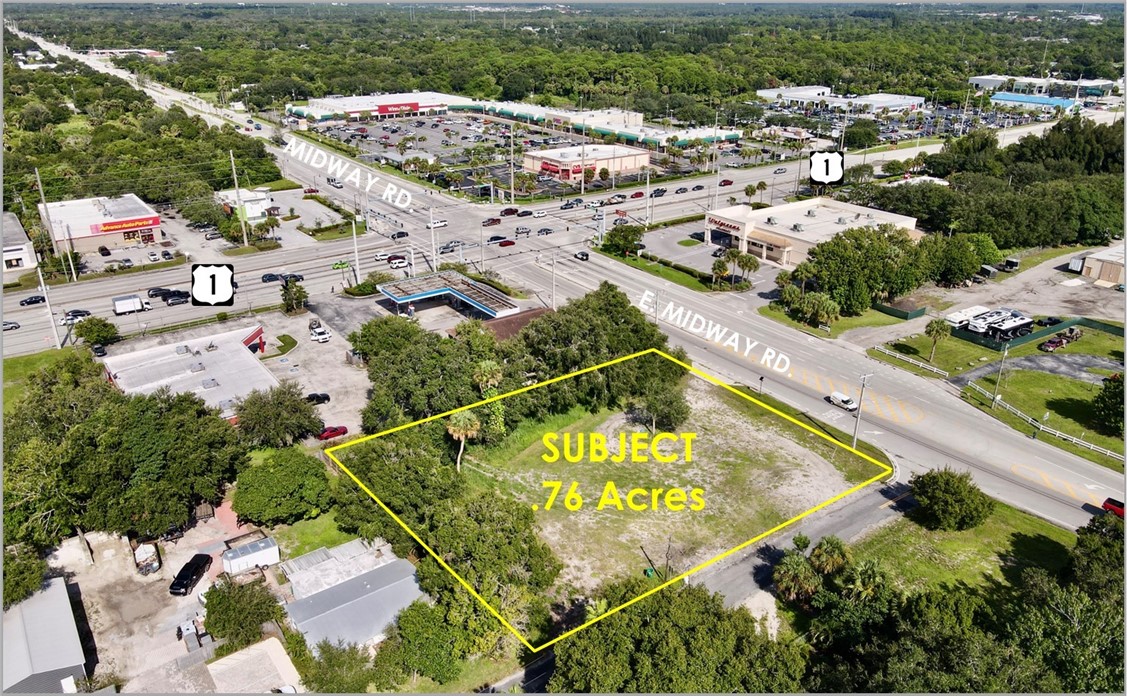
x=567, y=206
x=544, y=231
x=508, y=211
x=582, y=255
x=296, y=277
x=158, y=292
x=34, y=299
x=99, y=350
x=103, y=251
x=189, y=575
x=524, y=213
x=166, y=255
x=174, y=300
x=401, y=234
x=317, y=398
x=78, y=313
x=1049, y=321
x=657, y=194
x=270, y=278
x=698, y=187
x=682, y=190
x=496, y=238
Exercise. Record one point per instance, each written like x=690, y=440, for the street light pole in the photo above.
x=860, y=405
x=998, y=379
x=50, y=314
x=554, y=251
x=355, y=251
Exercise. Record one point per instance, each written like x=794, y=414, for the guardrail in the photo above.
x=1041, y=427
x=917, y=363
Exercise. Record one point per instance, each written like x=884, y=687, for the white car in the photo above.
x=397, y=264
x=154, y=257
x=540, y=214
x=320, y=334
x=382, y=256
x=436, y=224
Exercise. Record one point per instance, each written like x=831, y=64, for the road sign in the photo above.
x=827, y=167
x=213, y=284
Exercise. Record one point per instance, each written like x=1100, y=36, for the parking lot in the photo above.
x=664, y=243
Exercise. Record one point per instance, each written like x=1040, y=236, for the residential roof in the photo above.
x=255, y=670
x=322, y=568
x=218, y=368
x=357, y=610
x=40, y=635
x=13, y=231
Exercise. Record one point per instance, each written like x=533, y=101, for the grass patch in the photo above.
x=1068, y=401
x=994, y=553
x=288, y=218
x=310, y=535
x=18, y=369
x=871, y=317
x=1031, y=258
x=280, y=185
x=78, y=124
x=475, y=674
x=333, y=232
x=287, y=342
x=664, y=272
x=956, y=355
x=259, y=456
x=853, y=468
x=904, y=144
x=689, y=242
x=240, y=251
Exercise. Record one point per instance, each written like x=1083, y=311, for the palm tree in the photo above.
x=864, y=580
x=487, y=374
x=802, y=273
x=784, y=279
x=719, y=268
x=462, y=426
x=795, y=578
x=748, y=264
x=749, y=191
x=936, y=330
x=761, y=187
x=731, y=256
x=822, y=309
x=830, y=555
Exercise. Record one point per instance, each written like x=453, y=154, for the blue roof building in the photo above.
x=1034, y=101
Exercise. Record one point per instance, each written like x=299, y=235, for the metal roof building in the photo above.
x=358, y=610
x=1034, y=101
x=41, y=644
x=454, y=286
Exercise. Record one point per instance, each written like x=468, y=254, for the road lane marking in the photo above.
x=1052, y=483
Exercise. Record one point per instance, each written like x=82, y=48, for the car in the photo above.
x=103, y=251
x=544, y=231
x=78, y=313
x=638, y=246
x=524, y=213
x=173, y=300
x=568, y=206
x=1113, y=506
x=431, y=226
x=401, y=234
x=335, y=184
x=398, y=264
x=166, y=255
x=332, y=431
x=577, y=201
x=320, y=334
x=213, y=235
x=727, y=182
x=296, y=277
x=189, y=575
x=638, y=194
x=127, y=263
x=506, y=243
x=509, y=212
x=780, y=170
x=250, y=121
x=489, y=222
x=582, y=255
x=843, y=401
x=682, y=190
x=154, y=257
x=1052, y=344
x=158, y=292
x=1120, y=287
x=99, y=350
x=34, y=299
x=1049, y=321
x=524, y=231
x=395, y=257
x=447, y=248
x=539, y=214
x=11, y=326
x=381, y=256
x=270, y=277
x=698, y=187
x=337, y=265
x=657, y=193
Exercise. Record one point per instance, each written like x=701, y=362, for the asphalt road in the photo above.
x=921, y=425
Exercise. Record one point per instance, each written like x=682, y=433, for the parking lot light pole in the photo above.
x=860, y=406
x=998, y=379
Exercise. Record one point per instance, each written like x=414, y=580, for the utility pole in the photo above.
x=554, y=253
x=860, y=405
x=51, y=227
x=583, y=161
x=50, y=314
x=481, y=246
x=649, y=200
x=998, y=379
x=355, y=251
x=512, y=163
x=239, y=200
x=433, y=250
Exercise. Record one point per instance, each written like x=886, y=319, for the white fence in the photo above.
x=1049, y=431
x=917, y=363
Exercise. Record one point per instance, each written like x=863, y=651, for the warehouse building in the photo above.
x=1105, y=266
x=19, y=252
x=377, y=107
x=785, y=233
x=818, y=94
x=88, y=223
x=568, y=163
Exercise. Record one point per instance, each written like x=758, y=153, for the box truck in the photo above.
x=128, y=304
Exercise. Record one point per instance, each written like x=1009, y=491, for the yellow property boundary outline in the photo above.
x=885, y=471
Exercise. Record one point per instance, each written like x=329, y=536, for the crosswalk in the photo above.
x=877, y=405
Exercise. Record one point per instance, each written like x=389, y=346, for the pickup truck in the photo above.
x=128, y=304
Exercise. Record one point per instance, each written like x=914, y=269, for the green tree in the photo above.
x=801, y=542
x=949, y=500
x=1107, y=406
x=665, y=406
x=462, y=426
x=819, y=308
x=294, y=296
x=288, y=487
x=1096, y=562
x=604, y=174
x=621, y=240
x=237, y=611
x=429, y=642
x=893, y=167
x=24, y=575
x=936, y=330
x=862, y=133
x=278, y=417
x=795, y=578
x=747, y=263
x=782, y=279
x=830, y=555
x=96, y=330
x=761, y=187
x=339, y=668
x=719, y=269
x=802, y=274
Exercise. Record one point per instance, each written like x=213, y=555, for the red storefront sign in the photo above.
x=398, y=108
x=548, y=167
x=125, y=225
x=723, y=225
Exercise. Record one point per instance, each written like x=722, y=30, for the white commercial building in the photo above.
x=378, y=106
x=1047, y=86
x=19, y=252
x=786, y=233
x=568, y=163
x=88, y=223
x=819, y=94
x=257, y=205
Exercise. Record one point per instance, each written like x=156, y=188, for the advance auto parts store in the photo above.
x=115, y=223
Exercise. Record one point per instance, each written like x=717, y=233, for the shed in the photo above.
x=263, y=552
x=988, y=271
x=1076, y=263
x=41, y=645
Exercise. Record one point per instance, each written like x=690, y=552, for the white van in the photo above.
x=842, y=401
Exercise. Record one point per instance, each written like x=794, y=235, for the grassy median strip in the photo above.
x=663, y=272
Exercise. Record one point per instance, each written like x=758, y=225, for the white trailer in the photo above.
x=256, y=554
x=960, y=318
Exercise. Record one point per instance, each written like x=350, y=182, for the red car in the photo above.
x=1114, y=506
x=312, y=190
x=506, y=243
x=638, y=194
x=489, y=222
x=396, y=257
x=509, y=211
x=726, y=182
x=332, y=431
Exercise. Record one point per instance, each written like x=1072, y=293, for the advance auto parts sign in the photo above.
x=126, y=225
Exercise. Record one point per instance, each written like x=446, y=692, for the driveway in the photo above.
x=1072, y=365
